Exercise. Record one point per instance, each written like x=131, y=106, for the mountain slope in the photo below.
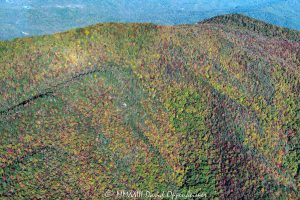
x=244, y=22
x=203, y=109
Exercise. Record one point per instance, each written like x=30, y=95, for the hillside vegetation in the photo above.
x=260, y=27
x=207, y=108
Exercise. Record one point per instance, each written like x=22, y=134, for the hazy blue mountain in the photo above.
x=34, y=17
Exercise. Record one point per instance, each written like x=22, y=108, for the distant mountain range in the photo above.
x=19, y=18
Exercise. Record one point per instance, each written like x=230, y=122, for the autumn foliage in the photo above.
x=207, y=108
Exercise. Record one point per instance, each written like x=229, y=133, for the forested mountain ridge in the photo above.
x=207, y=109
x=257, y=26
